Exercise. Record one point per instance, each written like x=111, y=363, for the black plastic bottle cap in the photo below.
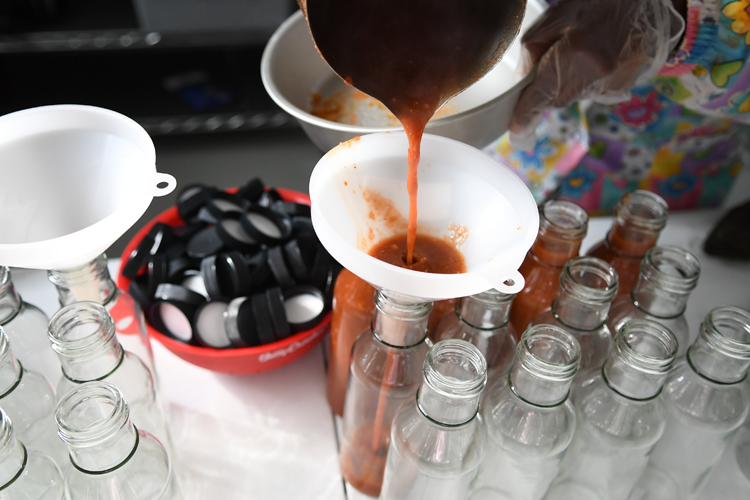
x=173, y=319
x=263, y=323
x=291, y=209
x=222, y=203
x=138, y=292
x=206, y=217
x=163, y=237
x=265, y=225
x=158, y=272
x=193, y=280
x=184, y=233
x=175, y=250
x=177, y=268
x=233, y=234
x=302, y=225
x=260, y=273
x=232, y=322
x=191, y=199
x=138, y=258
x=320, y=268
x=297, y=264
x=206, y=242
x=233, y=274
x=275, y=299
x=279, y=269
x=246, y=323
x=211, y=279
x=268, y=197
x=176, y=293
x=252, y=190
x=209, y=325
x=304, y=306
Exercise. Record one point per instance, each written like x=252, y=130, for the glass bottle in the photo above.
x=620, y=417
x=482, y=319
x=353, y=309
x=438, y=439
x=385, y=371
x=530, y=420
x=707, y=401
x=92, y=282
x=111, y=458
x=587, y=287
x=639, y=218
x=83, y=336
x=668, y=275
x=29, y=401
x=26, y=474
x=26, y=328
x=562, y=227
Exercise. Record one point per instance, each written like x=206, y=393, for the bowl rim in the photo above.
x=171, y=214
x=269, y=53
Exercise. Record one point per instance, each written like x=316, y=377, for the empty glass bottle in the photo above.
x=562, y=227
x=530, y=420
x=26, y=474
x=385, y=371
x=83, y=336
x=668, y=275
x=28, y=399
x=437, y=438
x=482, y=319
x=26, y=328
x=619, y=416
x=707, y=402
x=92, y=282
x=111, y=459
x=639, y=218
x=587, y=288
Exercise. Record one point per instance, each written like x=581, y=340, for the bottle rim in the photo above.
x=79, y=328
x=84, y=400
x=589, y=279
x=562, y=357
x=727, y=329
x=646, y=345
x=401, y=307
x=454, y=352
x=643, y=210
x=568, y=220
x=85, y=273
x=671, y=268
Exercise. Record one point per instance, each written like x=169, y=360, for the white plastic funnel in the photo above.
x=462, y=191
x=73, y=180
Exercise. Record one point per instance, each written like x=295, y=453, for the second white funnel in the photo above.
x=359, y=197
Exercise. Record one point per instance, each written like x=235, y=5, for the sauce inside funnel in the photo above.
x=413, y=55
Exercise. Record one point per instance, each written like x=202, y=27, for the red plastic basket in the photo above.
x=235, y=361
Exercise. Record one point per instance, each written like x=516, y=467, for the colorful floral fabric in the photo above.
x=680, y=136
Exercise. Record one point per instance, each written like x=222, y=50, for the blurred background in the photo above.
x=188, y=71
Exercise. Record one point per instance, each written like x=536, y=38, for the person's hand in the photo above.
x=591, y=49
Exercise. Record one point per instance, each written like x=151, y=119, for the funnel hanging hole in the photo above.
x=162, y=185
x=509, y=282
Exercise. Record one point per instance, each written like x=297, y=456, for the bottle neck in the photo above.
x=640, y=360
x=400, y=321
x=455, y=373
x=668, y=275
x=562, y=226
x=93, y=421
x=587, y=288
x=89, y=282
x=10, y=369
x=488, y=310
x=83, y=336
x=10, y=301
x=13, y=455
x=639, y=218
x=547, y=359
x=721, y=352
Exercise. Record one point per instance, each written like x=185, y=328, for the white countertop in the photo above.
x=272, y=436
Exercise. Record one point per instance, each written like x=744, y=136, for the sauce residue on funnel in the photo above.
x=430, y=255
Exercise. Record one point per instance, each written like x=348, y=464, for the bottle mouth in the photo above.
x=80, y=326
x=647, y=346
x=67, y=278
x=672, y=268
x=89, y=413
x=549, y=352
x=589, y=279
x=402, y=307
x=494, y=297
x=567, y=219
x=643, y=210
x=728, y=330
x=455, y=368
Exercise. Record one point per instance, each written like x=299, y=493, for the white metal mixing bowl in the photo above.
x=292, y=71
